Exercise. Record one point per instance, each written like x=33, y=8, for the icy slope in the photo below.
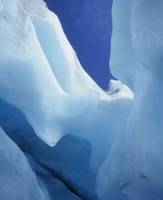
x=17, y=178
x=113, y=137
x=74, y=159
x=40, y=73
x=41, y=77
x=136, y=162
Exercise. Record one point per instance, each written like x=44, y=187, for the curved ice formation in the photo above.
x=136, y=161
x=41, y=76
x=40, y=73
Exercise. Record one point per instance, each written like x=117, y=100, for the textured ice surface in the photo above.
x=16, y=176
x=40, y=73
x=106, y=145
x=135, y=165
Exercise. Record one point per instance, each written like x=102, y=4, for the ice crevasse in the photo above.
x=41, y=76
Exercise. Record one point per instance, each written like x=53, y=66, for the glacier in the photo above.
x=62, y=136
x=136, y=161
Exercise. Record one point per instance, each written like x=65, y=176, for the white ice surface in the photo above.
x=41, y=76
x=39, y=71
